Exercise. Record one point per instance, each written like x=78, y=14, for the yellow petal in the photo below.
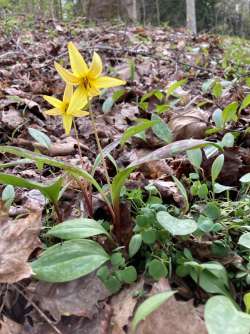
x=68, y=92
x=93, y=90
x=67, y=75
x=108, y=82
x=78, y=100
x=95, y=67
x=78, y=65
x=53, y=101
x=67, y=123
x=53, y=112
x=80, y=113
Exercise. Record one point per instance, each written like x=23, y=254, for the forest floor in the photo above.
x=196, y=88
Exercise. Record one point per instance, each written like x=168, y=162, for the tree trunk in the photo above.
x=191, y=16
x=102, y=10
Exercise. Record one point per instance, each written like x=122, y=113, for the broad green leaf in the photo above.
x=219, y=188
x=245, y=103
x=173, y=149
x=217, y=167
x=150, y=305
x=174, y=86
x=51, y=191
x=77, y=228
x=217, y=89
x=118, y=183
x=43, y=159
x=230, y=112
x=127, y=275
x=175, y=225
x=134, y=244
x=183, y=192
x=107, y=105
x=69, y=260
x=228, y=140
x=247, y=301
x=40, y=137
x=8, y=195
x=161, y=130
x=221, y=316
x=135, y=129
x=195, y=157
x=244, y=240
x=245, y=178
x=217, y=118
x=18, y=162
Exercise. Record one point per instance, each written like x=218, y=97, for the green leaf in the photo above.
x=77, y=229
x=174, y=86
x=230, y=112
x=228, y=140
x=134, y=244
x=128, y=275
x=219, y=188
x=245, y=103
x=174, y=225
x=157, y=269
x=183, y=192
x=40, y=137
x=246, y=299
x=161, y=130
x=107, y=105
x=195, y=157
x=149, y=237
x=217, y=167
x=150, y=305
x=221, y=316
x=8, y=195
x=117, y=260
x=118, y=182
x=244, y=240
x=245, y=178
x=69, y=260
x=135, y=129
x=43, y=159
x=51, y=191
x=217, y=89
x=218, y=119
x=212, y=210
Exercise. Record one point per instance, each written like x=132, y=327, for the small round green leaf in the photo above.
x=149, y=237
x=245, y=240
x=134, y=244
x=128, y=275
x=157, y=269
x=245, y=178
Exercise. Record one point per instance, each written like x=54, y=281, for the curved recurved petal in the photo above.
x=66, y=75
x=78, y=65
x=95, y=69
x=108, y=82
x=80, y=113
x=67, y=123
x=78, y=101
x=53, y=101
x=54, y=112
x=68, y=93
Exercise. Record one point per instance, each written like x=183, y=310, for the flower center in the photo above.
x=66, y=105
x=86, y=83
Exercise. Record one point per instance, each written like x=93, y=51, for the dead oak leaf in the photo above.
x=18, y=239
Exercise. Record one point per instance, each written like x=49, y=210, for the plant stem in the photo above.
x=84, y=187
x=99, y=144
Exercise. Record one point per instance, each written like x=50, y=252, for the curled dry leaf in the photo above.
x=18, y=239
x=191, y=123
x=78, y=297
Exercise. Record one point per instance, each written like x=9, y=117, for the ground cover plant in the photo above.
x=125, y=178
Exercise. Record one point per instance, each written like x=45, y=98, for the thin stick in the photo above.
x=42, y=314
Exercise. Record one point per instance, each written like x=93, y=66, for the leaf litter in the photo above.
x=84, y=305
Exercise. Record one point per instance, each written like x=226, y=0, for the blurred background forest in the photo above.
x=217, y=16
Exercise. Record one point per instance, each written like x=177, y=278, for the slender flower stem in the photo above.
x=99, y=144
x=84, y=186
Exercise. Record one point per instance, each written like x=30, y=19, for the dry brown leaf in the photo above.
x=79, y=297
x=172, y=317
x=9, y=326
x=190, y=123
x=18, y=239
x=123, y=306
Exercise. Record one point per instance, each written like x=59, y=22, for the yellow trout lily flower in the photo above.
x=87, y=78
x=71, y=106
